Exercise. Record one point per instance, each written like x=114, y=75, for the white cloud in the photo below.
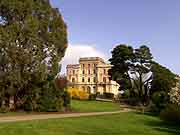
x=74, y=52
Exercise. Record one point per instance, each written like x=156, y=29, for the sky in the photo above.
x=95, y=27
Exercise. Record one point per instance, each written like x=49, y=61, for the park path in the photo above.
x=53, y=116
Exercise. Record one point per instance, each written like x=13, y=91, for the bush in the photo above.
x=66, y=99
x=28, y=106
x=126, y=94
x=92, y=97
x=108, y=95
x=4, y=109
x=83, y=95
x=78, y=94
x=159, y=100
x=171, y=113
x=51, y=100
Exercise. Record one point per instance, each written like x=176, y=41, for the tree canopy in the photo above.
x=33, y=39
x=135, y=71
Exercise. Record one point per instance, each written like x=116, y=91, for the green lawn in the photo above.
x=94, y=106
x=119, y=124
x=14, y=114
x=79, y=106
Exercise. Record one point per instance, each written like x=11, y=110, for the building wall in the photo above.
x=91, y=75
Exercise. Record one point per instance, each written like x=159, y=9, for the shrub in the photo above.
x=175, y=94
x=83, y=95
x=50, y=99
x=92, y=96
x=66, y=99
x=78, y=94
x=171, y=113
x=126, y=94
x=159, y=100
x=108, y=95
x=4, y=109
x=28, y=106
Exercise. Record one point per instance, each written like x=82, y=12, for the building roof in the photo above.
x=91, y=59
x=73, y=66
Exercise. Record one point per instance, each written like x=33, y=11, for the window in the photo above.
x=89, y=80
x=83, y=66
x=73, y=80
x=89, y=89
x=104, y=71
x=104, y=79
x=94, y=80
x=83, y=79
x=94, y=89
x=73, y=72
x=83, y=88
x=89, y=72
x=89, y=65
x=94, y=71
x=83, y=72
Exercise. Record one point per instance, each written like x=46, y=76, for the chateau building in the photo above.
x=91, y=75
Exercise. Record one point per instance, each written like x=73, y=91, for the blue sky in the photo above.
x=100, y=25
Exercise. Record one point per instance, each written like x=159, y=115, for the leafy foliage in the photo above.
x=132, y=69
x=175, y=93
x=163, y=78
x=79, y=94
x=33, y=39
x=163, y=81
x=171, y=114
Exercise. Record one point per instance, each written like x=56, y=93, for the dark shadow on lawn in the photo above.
x=171, y=128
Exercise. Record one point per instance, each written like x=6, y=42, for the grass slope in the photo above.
x=94, y=106
x=119, y=124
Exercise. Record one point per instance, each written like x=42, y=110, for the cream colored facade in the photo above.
x=91, y=75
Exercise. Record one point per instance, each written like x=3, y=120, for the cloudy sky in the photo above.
x=96, y=26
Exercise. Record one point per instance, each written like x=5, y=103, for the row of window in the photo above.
x=89, y=65
x=89, y=71
x=89, y=79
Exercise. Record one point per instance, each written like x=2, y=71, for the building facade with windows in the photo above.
x=91, y=75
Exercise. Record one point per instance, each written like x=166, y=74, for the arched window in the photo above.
x=94, y=89
x=83, y=79
x=94, y=80
x=73, y=80
x=94, y=71
x=89, y=72
x=89, y=89
x=83, y=88
x=104, y=79
x=104, y=71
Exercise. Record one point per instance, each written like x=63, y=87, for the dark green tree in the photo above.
x=132, y=70
x=140, y=72
x=162, y=82
x=121, y=60
x=33, y=39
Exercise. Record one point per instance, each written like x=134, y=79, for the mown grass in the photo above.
x=119, y=124
x=94, y=106
x=78, y=106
